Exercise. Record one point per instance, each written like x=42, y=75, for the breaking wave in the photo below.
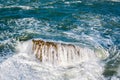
x=24, y=63
x=93, y=26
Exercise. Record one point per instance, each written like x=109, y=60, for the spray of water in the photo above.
x=59, y=53
x=65, y=57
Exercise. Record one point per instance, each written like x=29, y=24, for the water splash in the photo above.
x=83, y=22
x=59, y=53
x=23, y=64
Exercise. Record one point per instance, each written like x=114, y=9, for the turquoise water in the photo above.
x=91, y=23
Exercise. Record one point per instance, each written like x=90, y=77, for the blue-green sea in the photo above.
x=94, y=24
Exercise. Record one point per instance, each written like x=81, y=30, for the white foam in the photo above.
x=115, y=0
x=15, y=6
x=24, y=66
x=72, y=2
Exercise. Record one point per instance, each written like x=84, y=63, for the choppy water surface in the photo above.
x=93, y=24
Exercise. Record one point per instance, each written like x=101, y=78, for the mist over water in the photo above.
x=93, y=24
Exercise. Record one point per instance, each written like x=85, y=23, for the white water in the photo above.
x=65, y=54
x=24, y=66
x=15, y=6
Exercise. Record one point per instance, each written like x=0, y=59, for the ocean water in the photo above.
x=94, y=24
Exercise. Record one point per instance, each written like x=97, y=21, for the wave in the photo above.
x=78, y=22
x=63, y=53
x=24, y=65
x=114, y=0
x=15, y=6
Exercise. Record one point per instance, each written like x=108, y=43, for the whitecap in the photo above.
x=24, y=65
x=14, y=6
